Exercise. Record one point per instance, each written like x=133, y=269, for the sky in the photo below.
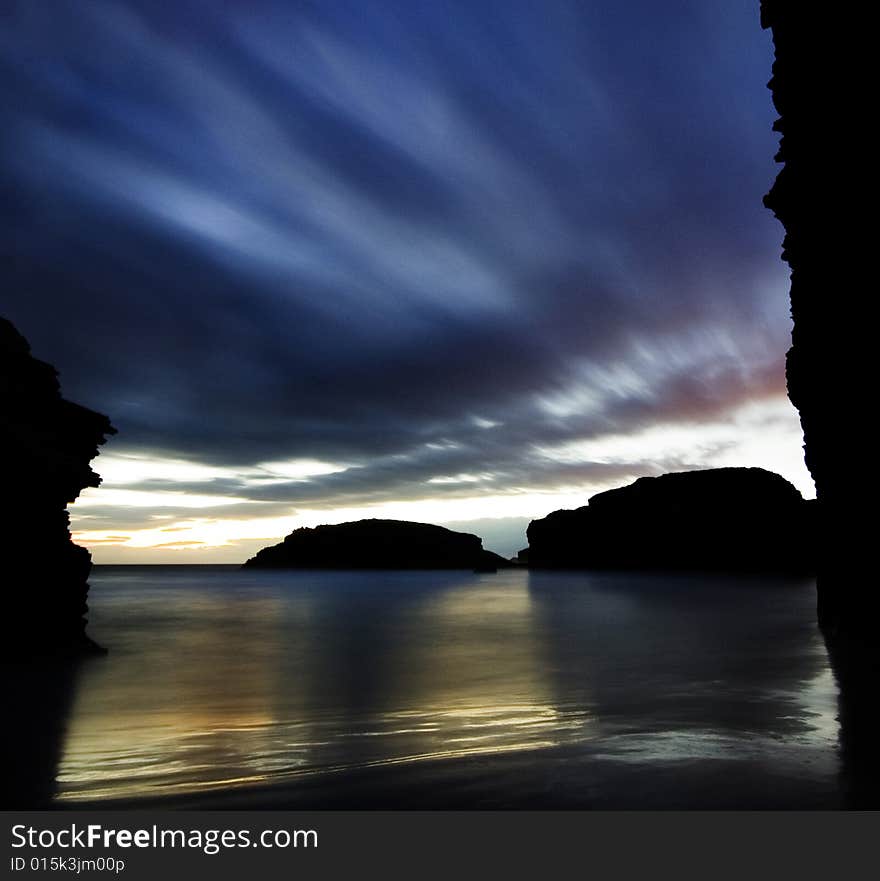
x=457, y=262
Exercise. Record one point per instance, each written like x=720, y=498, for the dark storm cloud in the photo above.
x=359, y=232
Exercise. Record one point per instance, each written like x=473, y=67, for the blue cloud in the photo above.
x=344, y=231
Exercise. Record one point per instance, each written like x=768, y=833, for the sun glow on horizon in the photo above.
x=165, y=505
x=203, y=532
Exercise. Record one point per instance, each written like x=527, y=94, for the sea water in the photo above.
x=549, y=689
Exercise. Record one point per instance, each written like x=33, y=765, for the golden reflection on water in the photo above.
x=190, y=702
x=226, y=691
x=223, y=679
x=479, y=679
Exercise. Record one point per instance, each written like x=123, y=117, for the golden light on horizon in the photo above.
x=220, y=532
x=165, y=505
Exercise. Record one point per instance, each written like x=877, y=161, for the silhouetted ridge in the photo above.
x=377, y=544
x=730, y=519
x=46, y=444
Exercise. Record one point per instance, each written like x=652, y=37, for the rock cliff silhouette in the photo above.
x=820, y=88
x=46, y=444
x=729, y=519
x=377, y=544
x=820, y=93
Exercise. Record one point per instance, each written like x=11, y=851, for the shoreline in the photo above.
x=556, y=778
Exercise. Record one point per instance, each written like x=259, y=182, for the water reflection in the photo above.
x=696, y=673
x=187, y=693
x=219, y=677
x=466, y=663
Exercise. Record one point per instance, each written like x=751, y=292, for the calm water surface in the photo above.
x=218, y=678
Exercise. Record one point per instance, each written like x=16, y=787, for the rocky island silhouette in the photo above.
x=733, y=519
x=728, y=519
x=378, y=544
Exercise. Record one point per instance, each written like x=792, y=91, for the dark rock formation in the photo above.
x=46, y=444
x=378, y=544
x=38, y=694
x=824, y=196
x=819, y=87
x=731, y=519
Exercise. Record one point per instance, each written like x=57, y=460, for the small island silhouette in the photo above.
x=378, y=544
